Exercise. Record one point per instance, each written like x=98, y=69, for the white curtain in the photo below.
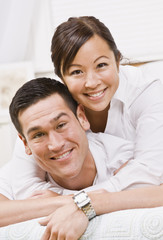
x=27, y=26
x=136, y=25
x=25, y=32
x=15, y=23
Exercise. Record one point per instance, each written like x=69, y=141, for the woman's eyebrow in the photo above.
x=103, y=56
x=74, y=65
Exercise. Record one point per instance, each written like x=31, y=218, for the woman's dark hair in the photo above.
x=33, y=91
x=71, y=35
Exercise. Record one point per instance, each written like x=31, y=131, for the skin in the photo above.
x=58, y=142
x=14, y=211
x=93, y=80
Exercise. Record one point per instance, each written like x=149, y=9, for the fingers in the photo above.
x=66, y=223
x=58, y=233
x=44, y=221
x=70, y=228
x=46, y=235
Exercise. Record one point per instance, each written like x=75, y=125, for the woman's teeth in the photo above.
x=96, y=94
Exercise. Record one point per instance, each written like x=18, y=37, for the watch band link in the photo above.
x=83, y=202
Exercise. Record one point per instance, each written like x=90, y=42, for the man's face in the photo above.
x=55, y=137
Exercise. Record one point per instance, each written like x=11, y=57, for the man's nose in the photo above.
x=55, y=141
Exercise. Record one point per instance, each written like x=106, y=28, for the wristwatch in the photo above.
x=84, y=203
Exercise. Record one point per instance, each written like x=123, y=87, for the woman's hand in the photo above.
x=66, y=223
x=43, y=194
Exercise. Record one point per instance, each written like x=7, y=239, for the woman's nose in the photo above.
x=91, y=80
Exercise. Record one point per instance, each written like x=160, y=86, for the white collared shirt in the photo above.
x=136, y=114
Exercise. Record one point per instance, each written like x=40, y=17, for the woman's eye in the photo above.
x=76, y=72
x=100, y=65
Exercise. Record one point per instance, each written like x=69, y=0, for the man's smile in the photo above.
x=62, y=156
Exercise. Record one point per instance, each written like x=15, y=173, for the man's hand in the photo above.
x=66, y=223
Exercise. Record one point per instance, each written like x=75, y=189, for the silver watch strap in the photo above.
x=89, y=211
x=83, y=202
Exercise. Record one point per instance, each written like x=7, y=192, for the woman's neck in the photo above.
x=97, y=120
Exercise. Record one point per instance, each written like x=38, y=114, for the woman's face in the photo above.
x=93, y=77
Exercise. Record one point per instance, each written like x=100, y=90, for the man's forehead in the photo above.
x=50, y=109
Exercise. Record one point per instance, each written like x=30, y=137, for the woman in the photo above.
x=117, y=100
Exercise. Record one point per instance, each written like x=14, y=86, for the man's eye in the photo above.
x=76, y=72
x=61, y=125
x=38, y=135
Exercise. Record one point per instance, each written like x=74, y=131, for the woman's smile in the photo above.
x=95, y=95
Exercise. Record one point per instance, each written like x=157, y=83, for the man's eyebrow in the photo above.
x=33, y=129
x=37, y=128
x=59, y=116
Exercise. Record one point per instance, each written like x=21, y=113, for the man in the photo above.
x=52, y=127
x=116, y=150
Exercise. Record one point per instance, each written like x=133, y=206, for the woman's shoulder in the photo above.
x=133, y=82
x=133, y=75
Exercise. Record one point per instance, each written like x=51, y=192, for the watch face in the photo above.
x=82, y=197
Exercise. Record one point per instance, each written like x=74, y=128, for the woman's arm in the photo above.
x=14, y=211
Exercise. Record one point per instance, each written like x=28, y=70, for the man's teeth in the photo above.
x=95, y=94
x=63, y=155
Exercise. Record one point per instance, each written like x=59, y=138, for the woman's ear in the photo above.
x=27, y=148
x=82, y=117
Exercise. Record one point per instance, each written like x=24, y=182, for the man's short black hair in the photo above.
x=33, y=91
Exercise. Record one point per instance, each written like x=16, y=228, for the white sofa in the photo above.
x=138, y=224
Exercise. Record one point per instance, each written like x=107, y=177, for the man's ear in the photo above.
x=82, y=117
x=27, y=149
